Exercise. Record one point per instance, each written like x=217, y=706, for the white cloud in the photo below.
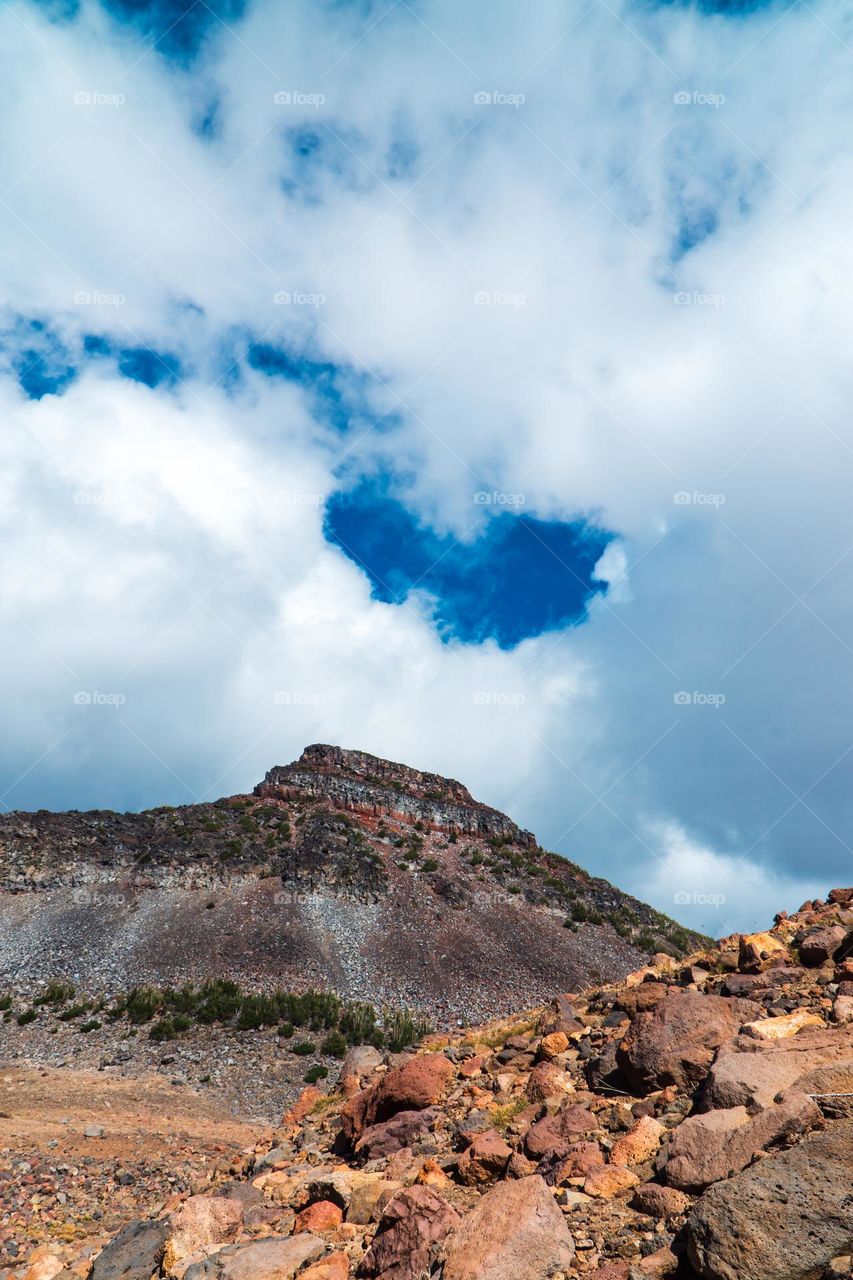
x=605, y=376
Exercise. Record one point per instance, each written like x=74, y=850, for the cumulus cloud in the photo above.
x=592, y=255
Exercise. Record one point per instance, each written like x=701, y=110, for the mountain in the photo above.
x=341, y=871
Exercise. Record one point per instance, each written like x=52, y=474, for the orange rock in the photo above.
x=431, y=1174
x=787, y=1024
x=473, y=1066
x=335, y=1267
x=758, y=950
x=639, y=1144
x=303, y=1106
x=553, y=1045
x=323, y=1215
x=608, y=1181
x=43, y=1264
x=200, y=1224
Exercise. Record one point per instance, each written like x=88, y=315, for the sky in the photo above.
x=467, y=384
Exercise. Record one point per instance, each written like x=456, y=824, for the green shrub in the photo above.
x=335, y=1045
x=29, y=1015
x=257, y=1011
x=92, y=1025
x=162, y=1030
x=142, y=1004
x=286, y=1030
x=73, y=1011
x=429, y=865
x=304, y=1048
x=313, y=1074
x=56, y=993
x=358, y=1022
x=220, y=1001
x=403, y=1029
x=5, y=1003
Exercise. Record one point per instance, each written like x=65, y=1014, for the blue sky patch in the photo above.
x=519, y=578
x=177, y=27
x=39, y=357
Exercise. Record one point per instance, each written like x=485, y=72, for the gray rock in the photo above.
x=134, y=1254
x=785, y=1218
x=276, y=1258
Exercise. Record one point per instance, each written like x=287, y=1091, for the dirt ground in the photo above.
x=59, y=1185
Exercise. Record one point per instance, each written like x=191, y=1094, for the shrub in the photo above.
x=257, y=1011
x=29, y=1015
x=162, y=1030
x=304, y=1048
x=358, y=1022
x=429, y=865
x=403, y=1029
x=56, y=993
x=5, y=1003
x=335, y=1045
x=142, y=1004
x=220, y=1000
x=92, y=1025
x=286, y=1030
x=313, y=1074
x=314, y=1009
x=73, y=1011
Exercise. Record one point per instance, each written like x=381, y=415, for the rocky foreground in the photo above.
x=695, y=1120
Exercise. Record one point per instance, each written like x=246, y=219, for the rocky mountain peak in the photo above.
x=376, y=788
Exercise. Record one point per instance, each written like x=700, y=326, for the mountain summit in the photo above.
x=340, y=870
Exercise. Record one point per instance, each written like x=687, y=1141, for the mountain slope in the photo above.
x=341, y=870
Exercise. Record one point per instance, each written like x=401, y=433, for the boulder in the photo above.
x=758, y=950
x=676, y=1043
x=553, y=1137
x=200, y=1224
x=323, y=1215
x=416, y=1085
x=360, y=1061
x=608, y=1181
x=333, y=1267
x=785, y=1218
x=485, y=1160
x=134, y=1254
x=580, y=1160
x=303, y=1106
x=714, y=1145
x=393, y=1135
x=659, y=1202
x=842, y=1009
x=751, y=1072
x=547, y=1080
x=818, y=947
x=412, y=1227
x=639, y=1144
x=516, y=1232
x=552, y=1045
x=780, y=1028
x=276, y=1258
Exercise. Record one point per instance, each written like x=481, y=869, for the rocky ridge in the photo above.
x=340, y=870
x=692, y=1120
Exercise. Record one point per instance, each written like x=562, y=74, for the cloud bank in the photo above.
x=591, y=261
